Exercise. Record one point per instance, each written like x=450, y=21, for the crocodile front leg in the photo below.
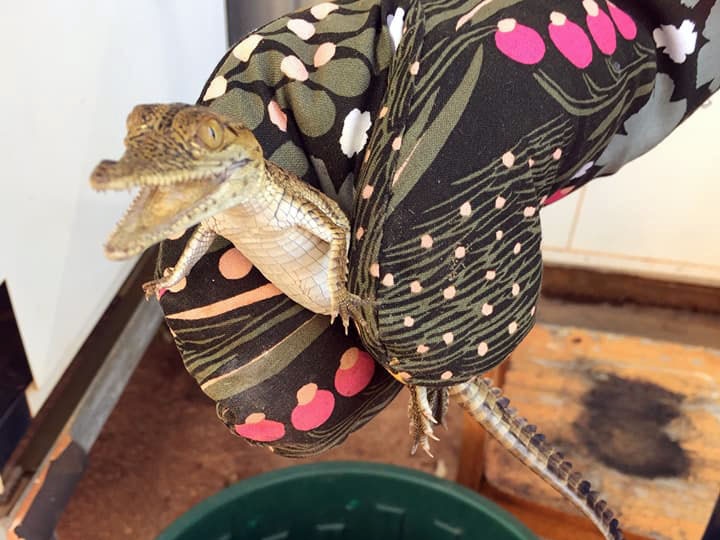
x=343, y=302
x=336, y=234
x=196, y=247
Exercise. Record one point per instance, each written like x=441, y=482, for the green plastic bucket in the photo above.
x=348, y=501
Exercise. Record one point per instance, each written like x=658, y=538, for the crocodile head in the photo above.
x=189, y=163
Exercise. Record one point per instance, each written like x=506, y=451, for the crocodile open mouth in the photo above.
x=165, y=206
x=160, y=212
x=171, y=198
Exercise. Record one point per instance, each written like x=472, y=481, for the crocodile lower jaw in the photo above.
x=161, y=212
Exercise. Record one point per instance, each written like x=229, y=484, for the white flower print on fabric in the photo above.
x=354, y=133
x=395, y=26
x=582, y=171
x=678, y=42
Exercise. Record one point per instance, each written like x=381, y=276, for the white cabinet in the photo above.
x=659, y=216
x=71, y=73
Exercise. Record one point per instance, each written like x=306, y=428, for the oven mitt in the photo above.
x=442, y=128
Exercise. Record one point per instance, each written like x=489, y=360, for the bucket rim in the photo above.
x=346, y=468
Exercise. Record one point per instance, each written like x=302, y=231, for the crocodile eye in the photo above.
x=210, y=134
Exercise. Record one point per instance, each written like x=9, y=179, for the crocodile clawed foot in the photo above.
x=157, y=286
x=351, y=306
x=439, y=405
x=421, y=420
x=152, y=288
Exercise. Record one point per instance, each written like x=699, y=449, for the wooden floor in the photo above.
x=163, y=451
x=639, y=417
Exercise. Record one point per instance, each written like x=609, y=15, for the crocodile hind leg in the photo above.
x=487, y=406
x=439, y=399
x=422, y=419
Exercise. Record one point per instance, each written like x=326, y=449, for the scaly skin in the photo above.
x=487, y=406
x=195, y=167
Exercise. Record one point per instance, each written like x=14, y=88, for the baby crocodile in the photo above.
x=192, y=166
x=196, y=167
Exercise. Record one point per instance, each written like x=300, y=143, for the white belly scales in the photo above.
x=296, y=262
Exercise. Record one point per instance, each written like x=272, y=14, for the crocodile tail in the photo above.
x=487, y=406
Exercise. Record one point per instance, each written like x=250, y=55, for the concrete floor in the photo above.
x=162, y=450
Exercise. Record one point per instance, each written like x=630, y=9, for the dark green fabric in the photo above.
x=443, y=127
x=254, y=359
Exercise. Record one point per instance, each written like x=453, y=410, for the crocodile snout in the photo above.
x=102, y=175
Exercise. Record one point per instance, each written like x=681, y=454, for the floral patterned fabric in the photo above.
x=442, y=127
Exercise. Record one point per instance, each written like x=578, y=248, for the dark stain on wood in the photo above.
x=624, y=427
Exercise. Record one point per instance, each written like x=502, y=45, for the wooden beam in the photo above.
x=583, y=285
x=52, y=457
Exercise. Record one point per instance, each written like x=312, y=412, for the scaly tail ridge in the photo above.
x=487, y=406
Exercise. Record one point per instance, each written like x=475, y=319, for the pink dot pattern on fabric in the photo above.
x=293, y=68
x=625, y=25
x=277, y=116
x=324, y=54
x=262, y=431
x=571, y=40
x=234, y=265
x=519, y=42
x=559, y=194
x=322, y=10
x=313, y=413
x=179, y=286
x=355, y=372
x=526, y=46
x=301, y=28
x=601, y=27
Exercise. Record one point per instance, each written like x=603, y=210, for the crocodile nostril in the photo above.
x=100, y=173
